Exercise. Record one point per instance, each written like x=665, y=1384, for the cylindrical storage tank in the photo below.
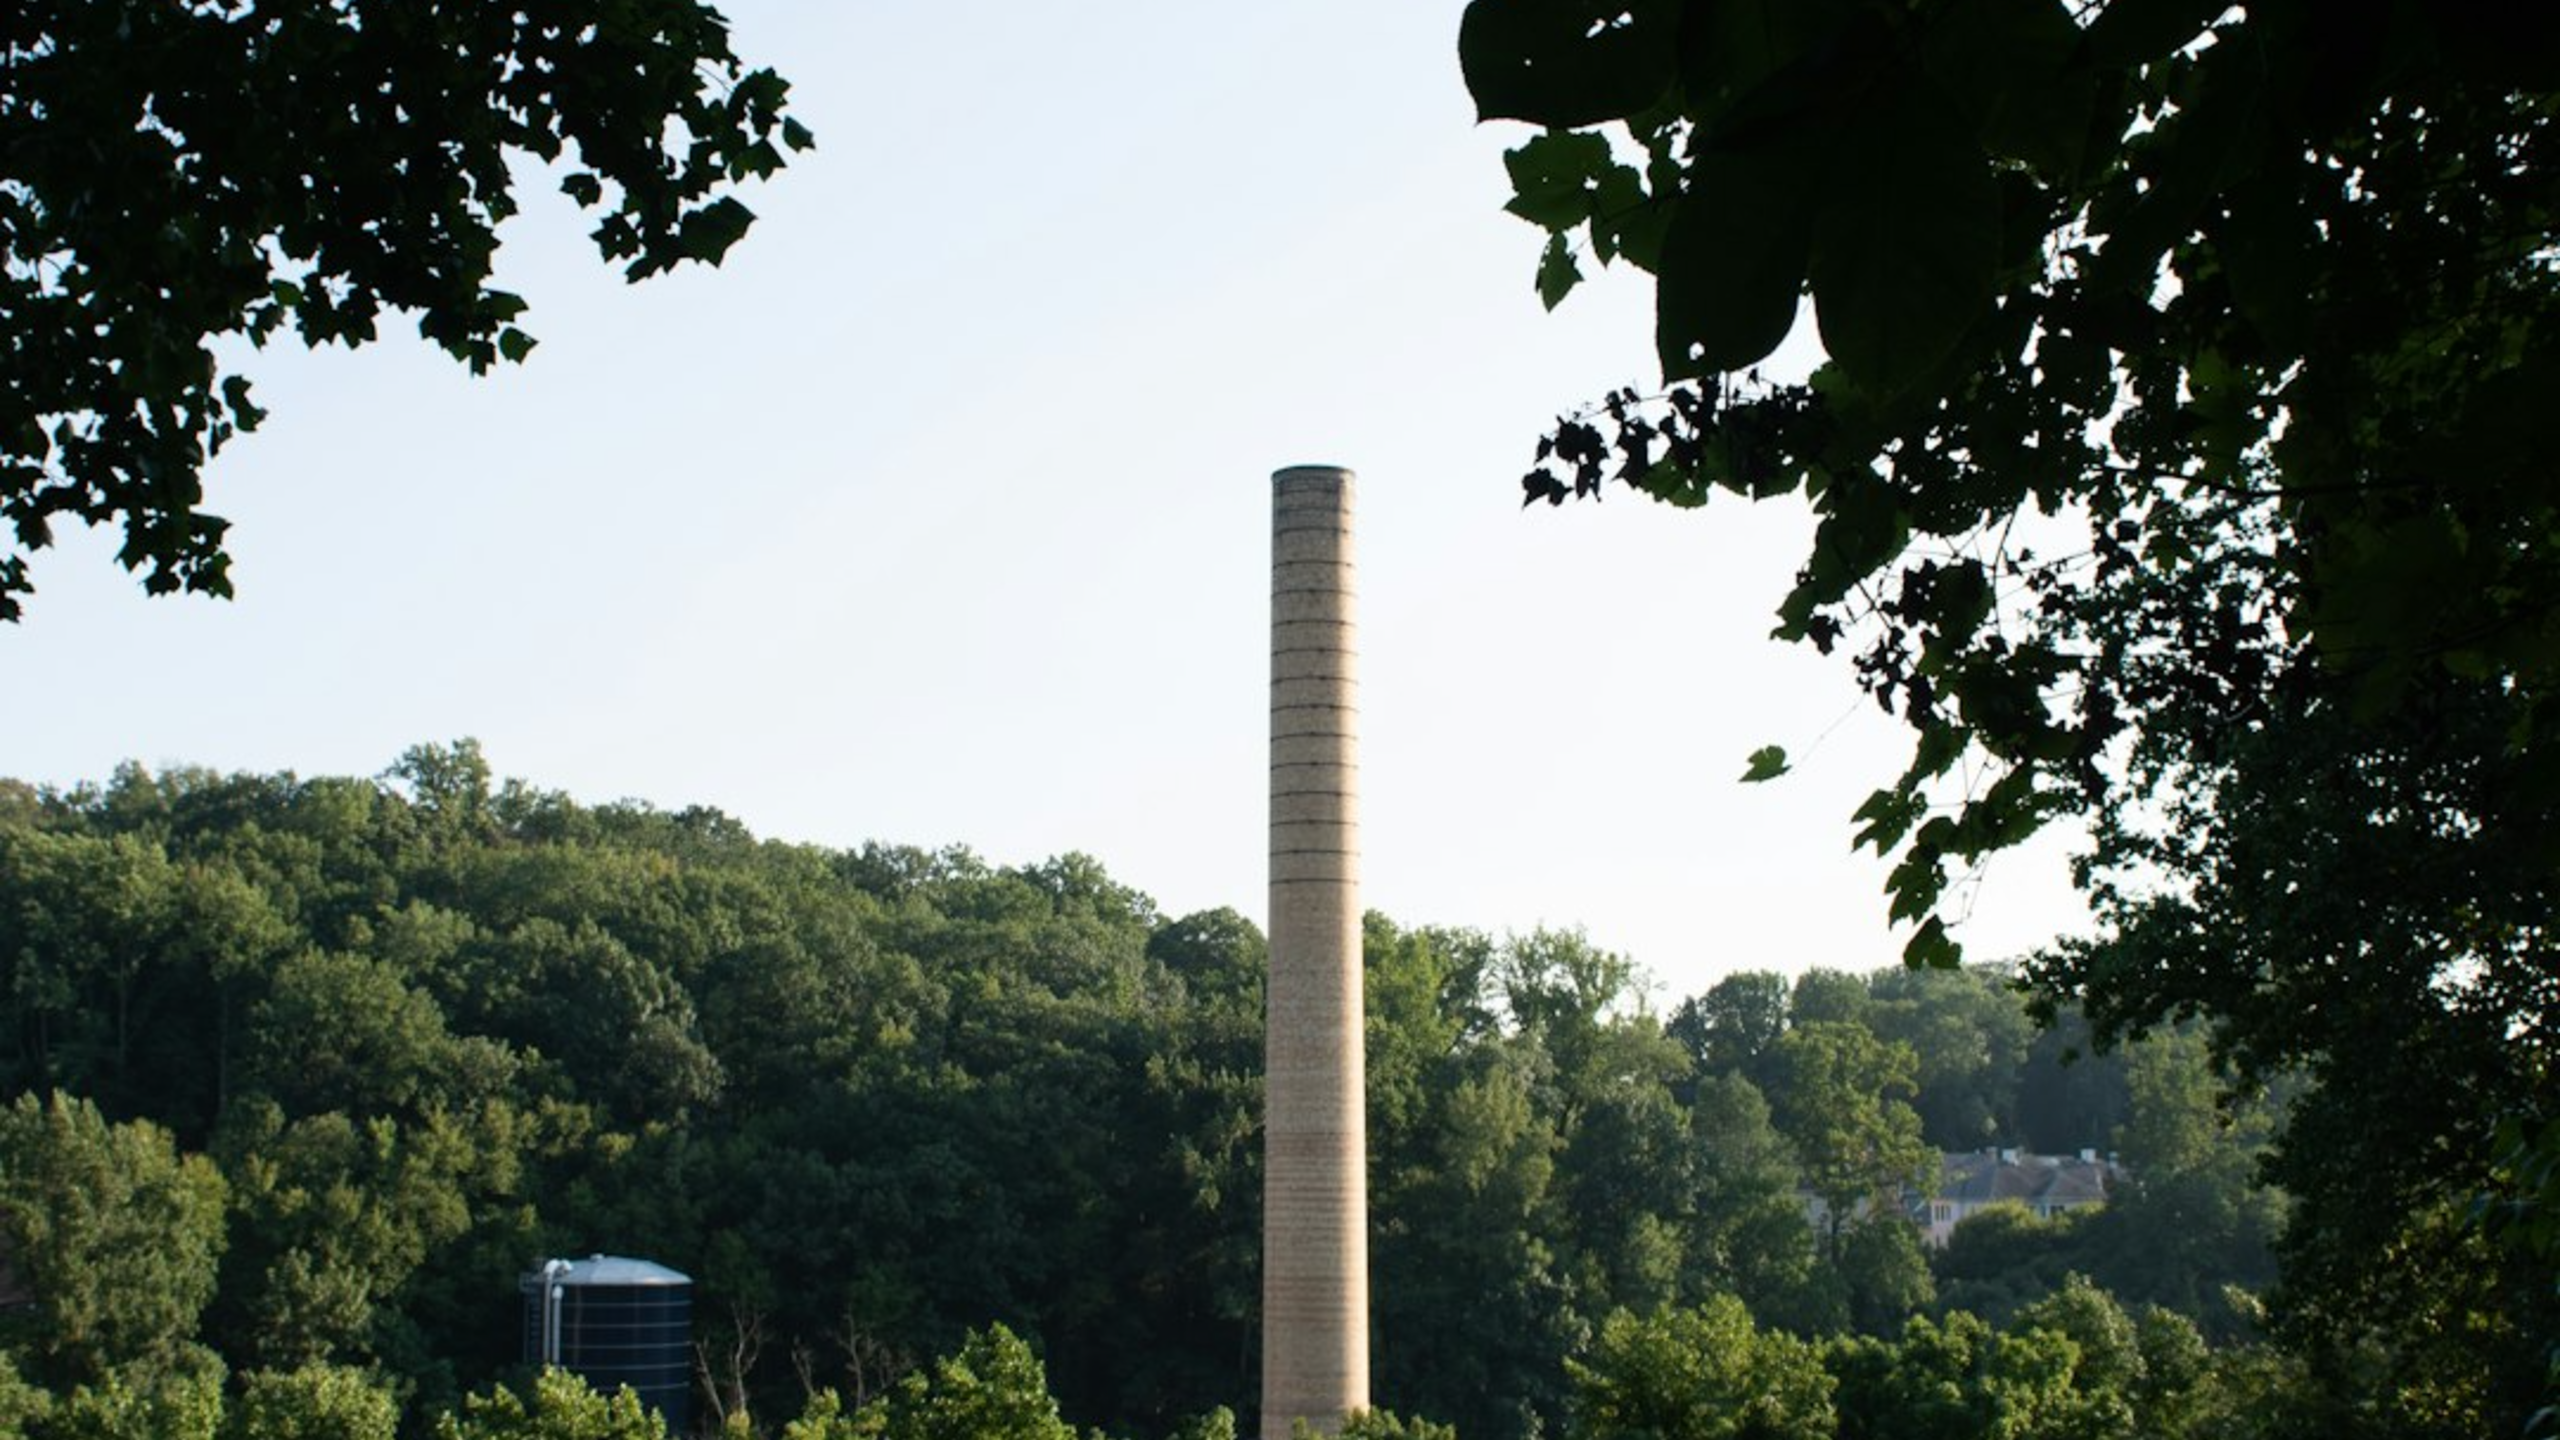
x=614, y=1321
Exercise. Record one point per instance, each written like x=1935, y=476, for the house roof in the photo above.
x=1985, y=1177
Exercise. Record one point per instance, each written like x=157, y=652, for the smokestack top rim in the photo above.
x=1287, y=473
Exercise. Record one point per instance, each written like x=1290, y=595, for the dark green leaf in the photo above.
x=707, y=233
x=1734, y=257
x=1889, y=815
x=2137, y=32
x=1905, y=253
x=1931, y=948
x=1557, y=272
x=1744, y=62
x=2021, y=73
x=1766, y=763
x=1864, y=528
x=1937, y=750
x=1626, y=220
x=2266, y=246
x=1566, y=63
x=1554, y=176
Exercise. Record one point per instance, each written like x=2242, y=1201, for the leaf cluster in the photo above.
x=2176, y=353
x=2182, y=460
x=174, y=175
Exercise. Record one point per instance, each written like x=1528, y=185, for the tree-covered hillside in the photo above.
x=304, y=1073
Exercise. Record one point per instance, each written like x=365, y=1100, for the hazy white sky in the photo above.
x=940, y=513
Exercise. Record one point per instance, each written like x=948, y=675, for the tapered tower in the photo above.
x=1315, y=1226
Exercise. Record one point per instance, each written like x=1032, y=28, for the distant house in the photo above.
x=2046, y=1184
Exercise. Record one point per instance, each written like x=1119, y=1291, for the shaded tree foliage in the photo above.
x=172, y=176
x=1970, y=1037
x=2181, y=461
x=1984, y=204
x=113, y=1236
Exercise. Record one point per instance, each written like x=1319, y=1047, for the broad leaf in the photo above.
x=1931, y=948
x=1565, y=63
x=1558, y=272
x=2137, y=32
x=1555, y=176
x=2265, y=244
x=2021, y=73
x=1733, y=257
x=1905, y=255
x=1744, y=60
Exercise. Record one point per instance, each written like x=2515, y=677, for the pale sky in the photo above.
x=939, y=514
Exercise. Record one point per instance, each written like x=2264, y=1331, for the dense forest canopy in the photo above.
x=322, y=1065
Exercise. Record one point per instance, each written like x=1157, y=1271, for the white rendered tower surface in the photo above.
x=1315, y=1226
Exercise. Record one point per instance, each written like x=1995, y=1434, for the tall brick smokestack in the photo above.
x=1315, y=1226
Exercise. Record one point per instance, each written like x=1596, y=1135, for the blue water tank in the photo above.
x=614, y=1321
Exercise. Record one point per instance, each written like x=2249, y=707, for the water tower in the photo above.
x=614, y=1321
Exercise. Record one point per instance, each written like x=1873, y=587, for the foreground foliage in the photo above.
x=2183, y=459
x=174, y=175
